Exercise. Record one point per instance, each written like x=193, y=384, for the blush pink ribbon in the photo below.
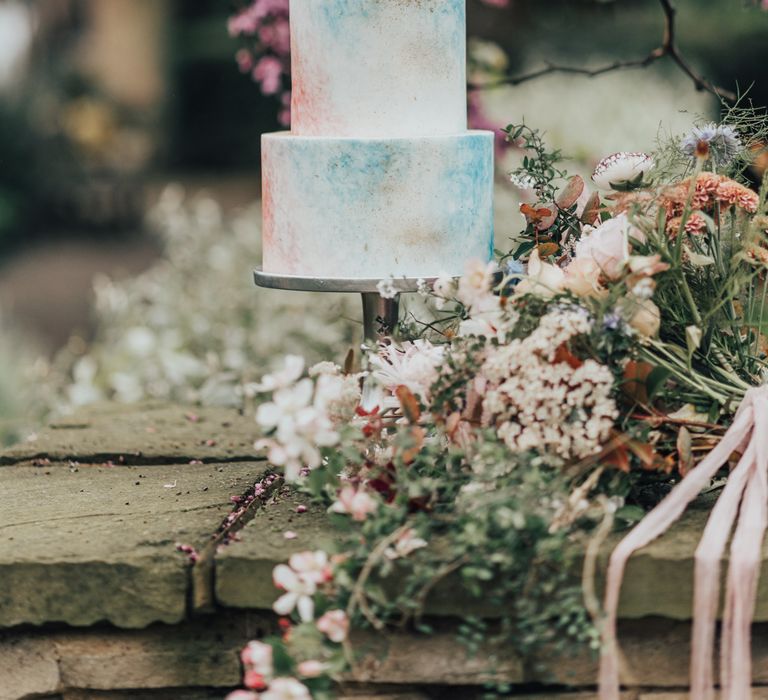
x=745, y=497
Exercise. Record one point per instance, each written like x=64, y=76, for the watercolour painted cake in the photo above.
x=378, y=176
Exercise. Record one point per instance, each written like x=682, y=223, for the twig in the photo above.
x=667, y=49
x=358, y=597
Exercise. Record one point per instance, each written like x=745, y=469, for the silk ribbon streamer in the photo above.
x=745, y=496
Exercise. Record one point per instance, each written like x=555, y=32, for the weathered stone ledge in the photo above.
x=98, y=601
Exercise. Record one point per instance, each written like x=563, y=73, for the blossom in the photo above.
x=412, y=364
x=242, y=695
x=645, y=318
x=537, y=401
x=287, y=375
x=312, y=566
x=582, y=277
x=355, y=502
x=268, y=72
x=334, y=624
x=735, y=194
x=311, y=668
x=300, y=428
x=407, y=543
x=622, y=171
x=387, y=289
x=286, y=689
x=608, y=245
x=444, y=288
x=299, y=580
x=720, y=141
x=543, y=279
x=476, y=283
x=257, y=656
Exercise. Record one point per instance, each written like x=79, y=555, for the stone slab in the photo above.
x=28, y=667
x=658, y=580
x=244, y=568
x=145, y=433
x=99, y=544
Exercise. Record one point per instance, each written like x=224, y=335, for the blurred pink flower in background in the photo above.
x=264, y=26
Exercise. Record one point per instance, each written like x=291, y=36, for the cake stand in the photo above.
x=380, y=316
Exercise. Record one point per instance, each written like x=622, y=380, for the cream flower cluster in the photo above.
x=538, y=403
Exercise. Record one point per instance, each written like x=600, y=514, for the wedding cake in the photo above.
x=378, y=176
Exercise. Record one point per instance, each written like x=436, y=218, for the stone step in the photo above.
x=90, y=544
x=145, y=433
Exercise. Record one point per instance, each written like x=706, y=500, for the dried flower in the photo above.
x=622, y=171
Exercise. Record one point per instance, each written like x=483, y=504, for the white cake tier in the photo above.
x=369, y=68
x=371, y=208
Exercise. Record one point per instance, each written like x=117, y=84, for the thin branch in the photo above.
x=668, y=49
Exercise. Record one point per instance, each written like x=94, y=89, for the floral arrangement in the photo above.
x=554, y=394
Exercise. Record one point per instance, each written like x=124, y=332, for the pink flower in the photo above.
x=255, y=680
x=355, y=502
x=286, y=689
x=414, y=365
x=734, y=193
x=269, y=72
x=407, y=543
x=299, y=590
x=242, y=695
x=334, y=625
x=543, y=279
x=582, y=277
x=257, y=656
x=312, y=566
x=311, y=668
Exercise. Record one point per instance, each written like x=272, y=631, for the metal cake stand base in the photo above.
x=380, y=316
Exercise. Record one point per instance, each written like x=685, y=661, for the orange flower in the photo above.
x=696, y=224
x=735, y=194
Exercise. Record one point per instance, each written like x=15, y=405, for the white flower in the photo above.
x=355, y=502
x=407, y=543
x=582, y=277
x=334, y=625
x=621, y=171
x=413, y=364
x=608, y=245
x=476, y=283
x=387, y=289
x=444, y=288
x=257, y=657
x=299, y=590
x=300, y=428
x=293, y=367
x=286, y=689
x=645, y=318
x=313, y=566
x=543, y=279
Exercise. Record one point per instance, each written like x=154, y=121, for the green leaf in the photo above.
x=655, y=380
x=630, y=514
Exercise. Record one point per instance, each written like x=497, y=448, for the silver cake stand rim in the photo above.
x=368, y=285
